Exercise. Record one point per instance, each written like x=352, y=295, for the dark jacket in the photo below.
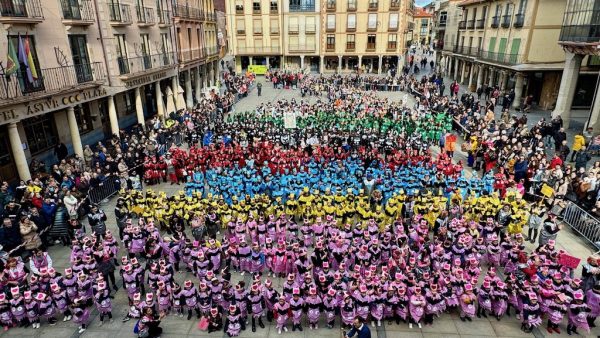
x=364, y=332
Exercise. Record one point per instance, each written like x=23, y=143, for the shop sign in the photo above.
x=51, y=103
x=142, y=80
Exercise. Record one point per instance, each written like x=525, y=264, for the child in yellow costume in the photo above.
x=291, y=206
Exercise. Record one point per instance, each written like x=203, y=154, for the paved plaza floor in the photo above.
x=448, y=326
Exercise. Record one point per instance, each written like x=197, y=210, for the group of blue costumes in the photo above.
x=348, y=176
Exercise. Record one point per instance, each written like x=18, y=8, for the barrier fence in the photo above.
x=586, y=225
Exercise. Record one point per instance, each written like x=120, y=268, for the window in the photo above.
x=274, y=26
x=257, y=26
x=331, y=4
x=392, y=41
x=351, y=22
x=522, y=7
x=330, y=41
x=294, y=27
x=256, y=7
x=371, y=40
x=40, y=132
x=372, y=23
x=81, y=61
x=310, y=42
x=83, y=117
x=443, y=18
x=239, y=6
x=331, y=22
x=29, y=80
x=350, y=41
x=351, y=5
x=310, y=26
x=122, y=54
x=241, y=26
x=498, y=9
x=274, y=6
x=294, y=42
x=373, y=4
x=393, y=25
x=395, y=4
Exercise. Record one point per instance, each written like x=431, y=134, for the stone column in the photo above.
x=112, y=116
x=322, y=64
x=75, y=137
x=399, y=66
x=568, y=83
x=160, y=105
x=462, y=72
x=301, y=61
x=480, y=76
x=215, y=72
x=189, y=99
x=339, y=63
x=139, y=109
x=471, y=71
x=519, y=79
x=380, y=65
x=359, y=61
x=204, y=76
x=18, y=153
x=198, y=84
x=267, y=59
x=491, y=79
x=250, y=60
x=594, y=120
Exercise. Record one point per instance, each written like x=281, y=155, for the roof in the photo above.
x=470, y=2
x=420, y=13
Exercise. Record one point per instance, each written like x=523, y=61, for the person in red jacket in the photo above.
x=556, y=161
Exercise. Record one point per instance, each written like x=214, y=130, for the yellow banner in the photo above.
x=257, y=69
x=547, y=190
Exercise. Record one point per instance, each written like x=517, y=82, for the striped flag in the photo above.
x=30, y=62
x=23, y=59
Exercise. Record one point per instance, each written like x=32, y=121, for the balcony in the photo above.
x=480, y=24
x=394, y=5
x=164, y=18
x=495, y=22
x=471, y=24
x=145, y=16
x=293, y=29
x=191, y=55
x=21, y=11
x=392, y=46
x=301, y=48
x=256, y=11
x=210, y=51
x=330, y=47
x=310, y=29
x=505, y=21
x=350, y=46
x=140, y=64
x=350, y=29
x=370, y=47
x=393, y=28
x=519, y=20
x=462, y=24
x=330, y=28
x=257, y=30
x=241, y=32
x=258, y=50
x=372, y=28
x=501, y=58
x=471, y=51
x=77, y=12
x=351, y=7
x=239, y=10
x=581, y=25
x=302, y=8
x=51, y=80
x=442, y=23
x=120, y=14
x=184, y=11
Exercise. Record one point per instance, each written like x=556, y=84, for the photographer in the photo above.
x=97, y=219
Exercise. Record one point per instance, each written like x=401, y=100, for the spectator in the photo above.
x=578, y=143
x=96, y=220
x=31, y=239
x=61, y=152
x=360, y=329
x=10, y=236
x=39, y=260
x=582, y=158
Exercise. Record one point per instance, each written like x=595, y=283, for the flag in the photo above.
x=30, y=62
x=23, y=59
x=12, y=64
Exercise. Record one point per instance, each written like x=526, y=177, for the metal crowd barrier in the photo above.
x=110, y=186
x=583, y=223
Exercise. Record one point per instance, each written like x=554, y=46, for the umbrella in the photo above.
x=170, y=102
x=179, y=100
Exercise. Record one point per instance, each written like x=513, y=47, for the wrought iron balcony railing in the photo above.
x=519, y=20
x=471, y=24
x=23, y=11
x=120, y=14
x=164, y=17
x=505, y=21
x=51, y=80
x=495, y=22
x=302, y=8
x=462, y=24
x=78, y=11
x=480, y=24
x=145, y=15
x=503, y=58
x=134, y=65
x=259, y=50
x=211, y=51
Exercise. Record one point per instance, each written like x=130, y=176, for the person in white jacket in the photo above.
x=71, y=203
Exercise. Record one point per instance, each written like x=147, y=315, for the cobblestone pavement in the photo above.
x=448, y=326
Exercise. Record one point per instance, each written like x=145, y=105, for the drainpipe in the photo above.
x=102, y=43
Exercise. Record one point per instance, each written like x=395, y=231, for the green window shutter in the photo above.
x=491, y=47
x=514, y=50
x=501, y=49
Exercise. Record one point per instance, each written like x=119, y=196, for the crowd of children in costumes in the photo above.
x=354, y=234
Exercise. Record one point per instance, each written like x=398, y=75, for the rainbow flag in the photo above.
x=23, y=59
x=30, y=62
x=12, y=63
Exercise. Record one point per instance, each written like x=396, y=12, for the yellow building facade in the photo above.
x=510, y=45
x=423, y=26
x=320, y=35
